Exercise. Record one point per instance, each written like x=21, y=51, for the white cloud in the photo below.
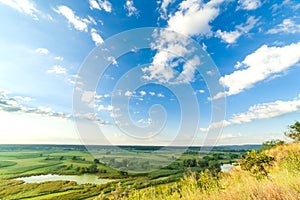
x=131, y=10
x=59, y=58
x=287, y=26
x=22, y=99
x=143, y=93
x=249, y=4
x=152, y=93
x=210, y=73
x=164, y=6
x=96, y=37
x=201, y=91
x=102, y=107
x=193, y=17
x=216, y=125
x=260, y=65
x=88, y=97
x=145, y=122
x=92, y=20
x=128, y=93
x=267, y=110
x=259, y=111
x=229, y=37
x=57, y=70
x=105, y=5
x=100, y=4
x=170, y=48
x=188, y=71
x=23, y=6
x=12, y=104
x=232, y=36
x=80, y=24
x=112, y=59
x=42, y=51
x=94, y=4
x=160, y=95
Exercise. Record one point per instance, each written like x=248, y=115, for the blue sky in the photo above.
x=255, y=45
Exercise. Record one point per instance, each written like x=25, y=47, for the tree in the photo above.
x=96, y=161
x=257, y=163
x=293, y=131
x=272, y=143
x=92, y=169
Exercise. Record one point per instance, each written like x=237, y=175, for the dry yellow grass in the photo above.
x=283, y=182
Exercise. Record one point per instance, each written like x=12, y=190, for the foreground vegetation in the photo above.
x=271, y=174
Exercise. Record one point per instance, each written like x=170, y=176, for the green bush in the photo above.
x=256, y=163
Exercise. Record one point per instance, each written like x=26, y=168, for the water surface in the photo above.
x=226, y=167
x=80, y=179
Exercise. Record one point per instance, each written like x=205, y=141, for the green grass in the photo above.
x=56, y=160
x=7, y=163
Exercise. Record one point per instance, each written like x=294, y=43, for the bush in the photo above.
x=257, y=163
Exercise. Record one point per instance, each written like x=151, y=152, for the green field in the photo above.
x=128, y=167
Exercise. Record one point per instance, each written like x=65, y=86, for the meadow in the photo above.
x=128, y=171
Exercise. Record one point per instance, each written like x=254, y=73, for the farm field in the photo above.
x=140, y=168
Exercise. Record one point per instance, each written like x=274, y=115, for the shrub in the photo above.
x=257, y=163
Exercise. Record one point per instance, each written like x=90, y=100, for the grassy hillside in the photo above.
x=281, y=180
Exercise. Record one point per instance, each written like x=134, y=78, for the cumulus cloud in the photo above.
x=42, y=51
x=163, y=7
x=57, y=70
x=143, y=93
x=94, y=5
x=260, y=65
x=12, y=104
x=105, y=108
x=100, y=4
x=131, y=10
x=128, y=93
x=80, y=24
x=23, y=6
x=96, y=37
x=232, y=36
x=193, y=17
x=249, y=4
x=112, y=60
x=287, y=26
x=267, y=110
x=152, y=93
x=170, y=48
x=22, y=99
x=259, y=111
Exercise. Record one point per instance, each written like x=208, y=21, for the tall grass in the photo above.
x=282, y=183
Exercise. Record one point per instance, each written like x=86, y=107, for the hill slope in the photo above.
x=282, y=182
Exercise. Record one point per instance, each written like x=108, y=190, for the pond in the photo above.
x=226, y=167
x=80, y=179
